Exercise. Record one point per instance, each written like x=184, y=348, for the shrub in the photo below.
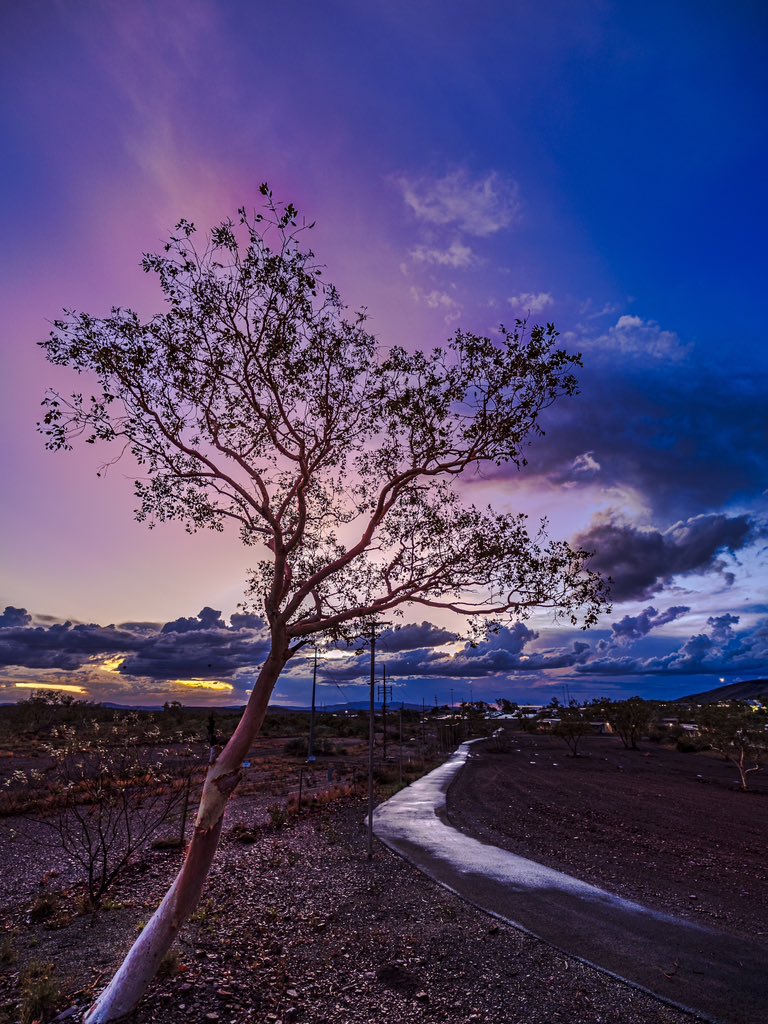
x=278, y=815
x=39, y=993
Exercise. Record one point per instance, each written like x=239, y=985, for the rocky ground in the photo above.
x=297, y=925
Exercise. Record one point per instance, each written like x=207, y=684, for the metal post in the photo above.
x=384, y=709
x=370, y=742
x=311, y=744
x=301, y=787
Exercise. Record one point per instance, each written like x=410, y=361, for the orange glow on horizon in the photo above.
x=65, y=687
x=204, y=684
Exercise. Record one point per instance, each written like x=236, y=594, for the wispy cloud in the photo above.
x=456, y=256
x=531, y=302
x=631, y=335
x=479, y=206
x=585, y=463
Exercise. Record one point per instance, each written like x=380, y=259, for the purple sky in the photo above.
x=598, y=164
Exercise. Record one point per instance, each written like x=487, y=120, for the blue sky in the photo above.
x=600, y=165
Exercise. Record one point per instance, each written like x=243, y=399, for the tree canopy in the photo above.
x=255, y=398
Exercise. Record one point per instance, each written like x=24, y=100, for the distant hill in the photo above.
x=734, y=691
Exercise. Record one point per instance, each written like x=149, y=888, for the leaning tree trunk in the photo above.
x=140, y=965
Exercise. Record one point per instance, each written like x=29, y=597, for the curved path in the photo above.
x=714, y=975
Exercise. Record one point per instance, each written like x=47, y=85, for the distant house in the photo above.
x=600, y=727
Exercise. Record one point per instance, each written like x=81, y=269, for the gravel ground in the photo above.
x=299, y=926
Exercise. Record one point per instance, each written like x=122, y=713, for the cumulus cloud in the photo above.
x=720, y=651
x=456, y=256
x=478, y=206
x=631, y=335
x=530, y=302
x=501, y=653
x=201, y=646
x=207, y=618
x=14, y=617
x=62, y=645
x=641, y=560
x=633, y=627
x=414, y=636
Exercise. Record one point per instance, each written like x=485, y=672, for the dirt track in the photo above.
x=656, y=826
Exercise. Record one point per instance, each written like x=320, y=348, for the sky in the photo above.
x=600, y=165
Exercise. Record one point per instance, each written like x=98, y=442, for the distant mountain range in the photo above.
x=733, y=691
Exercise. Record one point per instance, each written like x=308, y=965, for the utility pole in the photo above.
x=383, y=687
x=311, y=744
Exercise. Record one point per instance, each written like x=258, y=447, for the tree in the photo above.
x=735, y=733
x=255, y=399
x=629, y=718
x=572, y=724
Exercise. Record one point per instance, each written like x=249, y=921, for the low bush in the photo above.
x=40, y=993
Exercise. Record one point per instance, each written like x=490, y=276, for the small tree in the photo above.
x=256, y=400
x=572, y=724
x=112, y=793
x=630, y=719
x=734, y=733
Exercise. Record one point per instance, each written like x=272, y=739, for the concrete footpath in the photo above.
x=715, y=976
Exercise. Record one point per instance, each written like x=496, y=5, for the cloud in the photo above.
x=641, y=560
x=479, y=206
x=62, y=645
x=192, y=648
x=207, y=618
x=720, y=651
x=456, y=256
x=14, y=617
x=633, y=627
x=414, y=636
x=692, y=441
x=585, y=463
x=631, y=335
x=528, y=302
x=434, y=299
x=501, y=653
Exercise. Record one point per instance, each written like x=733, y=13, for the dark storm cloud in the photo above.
x=146, y=628
x=62, y=645
x=199, y=647
x=244, y=621
x=207, y=618
x=217, y=653
x=686, y=439
x=14, y=617
x=633, y=627
x=642, y=560
x=414, y=636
